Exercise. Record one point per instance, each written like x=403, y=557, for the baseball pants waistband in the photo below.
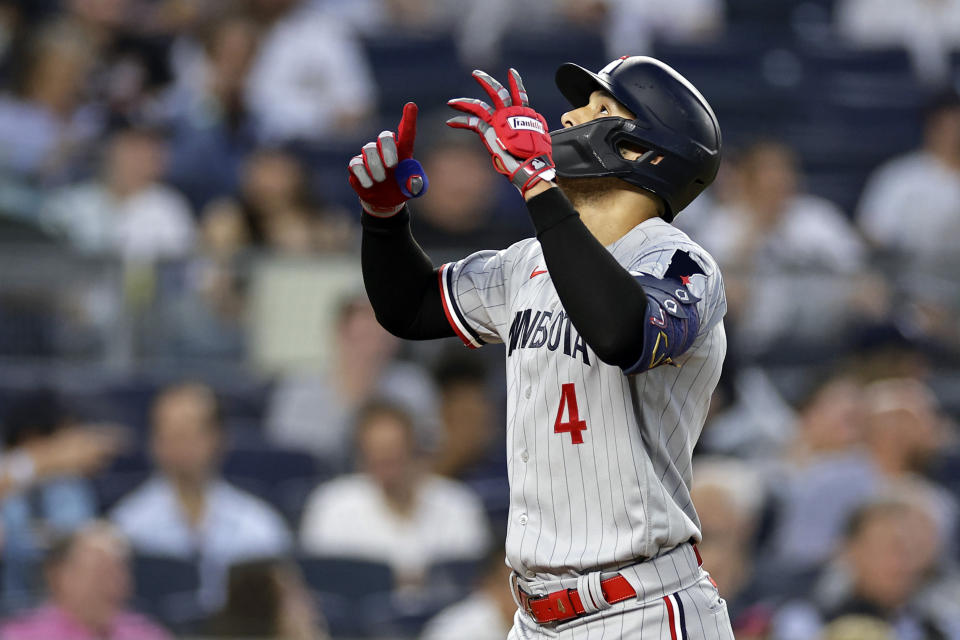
x=652, y=579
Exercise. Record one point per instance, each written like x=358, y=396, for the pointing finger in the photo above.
x=407, y=131
x=498, y=95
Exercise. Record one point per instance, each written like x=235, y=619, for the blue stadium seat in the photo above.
x=862, y=77
x=387, y=615
x=421, y=69
x=456, y=576
x=124, y=474
x=165, y=587
x=346, y=577
x=739, y=76
x=126, y=403
x=842, y=187
x=342, y=587
x=270, y=467
x=158, y=576
x=328, y=165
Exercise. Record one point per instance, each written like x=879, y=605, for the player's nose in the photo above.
x=574, y=117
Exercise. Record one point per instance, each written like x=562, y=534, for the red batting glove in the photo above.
x=385, y=175
x=516, y=136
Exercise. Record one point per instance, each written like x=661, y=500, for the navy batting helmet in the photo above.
x=674, y=126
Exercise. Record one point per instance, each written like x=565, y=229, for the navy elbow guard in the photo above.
x=671, y=324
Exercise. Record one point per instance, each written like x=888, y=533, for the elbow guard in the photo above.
x=671, y=323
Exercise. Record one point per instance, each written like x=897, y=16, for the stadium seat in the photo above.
x=271, y=467
x=741, y=76
x=159, y=576
x=387, y=615
x=124, y=474
x=456, y=576
x=421, y=69
x=166, y=588
x=342, y=587
x=863, y=77
x=347, y=577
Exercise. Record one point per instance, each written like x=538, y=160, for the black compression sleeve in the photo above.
x=605, y=303
x=400, y=279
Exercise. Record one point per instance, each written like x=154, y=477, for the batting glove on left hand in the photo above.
x=516, y=136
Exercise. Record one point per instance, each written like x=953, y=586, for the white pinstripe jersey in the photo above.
x=599, y=461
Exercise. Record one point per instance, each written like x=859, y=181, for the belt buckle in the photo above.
x=560, y=605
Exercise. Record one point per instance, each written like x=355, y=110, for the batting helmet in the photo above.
x=674, y=126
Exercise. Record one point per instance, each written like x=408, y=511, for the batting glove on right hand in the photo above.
x=515, y=135
x=385, y=175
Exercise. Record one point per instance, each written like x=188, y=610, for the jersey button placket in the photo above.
x=522, y=519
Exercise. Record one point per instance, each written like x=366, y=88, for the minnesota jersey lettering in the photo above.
x=549, y=330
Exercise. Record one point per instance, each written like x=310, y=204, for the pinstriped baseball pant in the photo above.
x=676, y=601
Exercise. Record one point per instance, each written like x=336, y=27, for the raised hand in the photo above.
x=516, y=136
x=384, y=174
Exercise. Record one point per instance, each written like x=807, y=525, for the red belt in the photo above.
x=565, y=604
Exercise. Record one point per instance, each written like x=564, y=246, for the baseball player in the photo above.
x=612, y=322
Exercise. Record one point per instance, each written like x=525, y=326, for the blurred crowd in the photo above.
x=206, y=433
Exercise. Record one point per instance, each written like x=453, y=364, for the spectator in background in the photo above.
x=68, y=451
x=89, y=583
x=926, y=183
x=825, y=475
x=486, y=614
x=781, y=250
x=213, y=130
x=879, y=574
x=459, y=211
x=392, y=510
x=408, y=17
x=314, y=411
x=626, y=25
x=634, y=25
x=310, y=79
x=35, y=516
x=852, y=443
x=468, y=426
x=729, y=495
x=282, y=214
x=267, y=599
x=205, y=316
x=187, y=510
x=127, y=211
x=46, y=127
x=929, y=30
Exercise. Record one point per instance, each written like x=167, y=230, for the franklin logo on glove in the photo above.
x=521, y=122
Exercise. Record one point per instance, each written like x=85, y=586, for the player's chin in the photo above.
x=584, y=190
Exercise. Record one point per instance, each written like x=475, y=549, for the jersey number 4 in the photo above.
x=573, y=425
